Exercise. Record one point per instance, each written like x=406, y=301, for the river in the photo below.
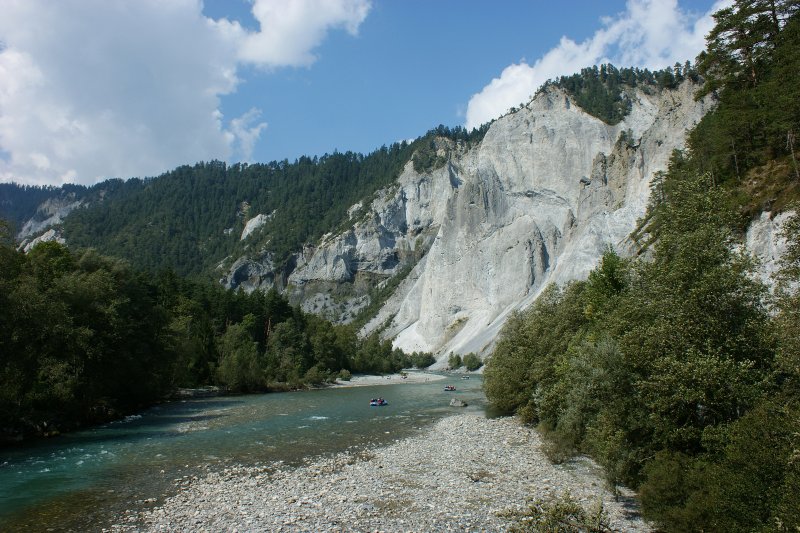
x=82, y=481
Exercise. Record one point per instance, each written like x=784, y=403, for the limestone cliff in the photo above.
x=765, y=241
x=50, y=213
x=537, y=201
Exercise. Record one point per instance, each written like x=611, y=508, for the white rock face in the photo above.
x=392, y=228
x=397, y=227
x=47, y=236
x=765, y=241
x=538, y=201
x=52, y=212
x=250, y=275
x=548, y=189
x=253, y=224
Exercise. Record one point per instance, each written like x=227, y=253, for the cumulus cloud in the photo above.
x=91, y=89
x=291, y=30
x=648, y=34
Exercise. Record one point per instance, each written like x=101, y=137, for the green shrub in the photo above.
x=472, y=362
x=345, y=375
x=454, y=361
x=558, y=447
x=526, y=353
x=752, y=485
x=239, y=369
x=315, y=376
x=422, y=359
x=562, y=515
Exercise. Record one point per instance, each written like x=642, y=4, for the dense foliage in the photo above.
x=85, y=338
x=748, y=145
x=192, y=217
x=602, y=91
x=672, y=374
x=80, y=335
x=454, y=361
x=472, y=361
x=432, y=149
x=680, y=373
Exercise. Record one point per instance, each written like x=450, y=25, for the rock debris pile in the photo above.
x=467, y=473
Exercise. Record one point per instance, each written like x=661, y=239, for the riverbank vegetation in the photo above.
x=680, y=372
x=86, y=338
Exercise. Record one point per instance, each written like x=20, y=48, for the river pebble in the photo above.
x=467, y=473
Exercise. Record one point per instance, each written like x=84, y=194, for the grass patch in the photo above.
x=772, y=187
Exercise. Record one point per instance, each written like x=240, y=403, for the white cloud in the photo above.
x=115, y=88
x=245, y=133
x=649, y=34
x=291, y=30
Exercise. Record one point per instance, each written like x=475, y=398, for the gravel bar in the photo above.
x=465, y=473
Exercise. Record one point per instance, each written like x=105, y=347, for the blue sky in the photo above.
x=116, y=88
x=413, y=65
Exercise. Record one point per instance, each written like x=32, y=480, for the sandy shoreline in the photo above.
x=466, y=473
x=363, y=380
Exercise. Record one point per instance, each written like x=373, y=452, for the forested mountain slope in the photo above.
x=191, y=218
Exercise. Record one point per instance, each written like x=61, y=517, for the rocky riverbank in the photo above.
x=466, y=473
x=365, y=380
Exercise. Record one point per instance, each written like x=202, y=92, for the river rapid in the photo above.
x=84, y=480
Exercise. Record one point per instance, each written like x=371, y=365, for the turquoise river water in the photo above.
x=82, y=481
